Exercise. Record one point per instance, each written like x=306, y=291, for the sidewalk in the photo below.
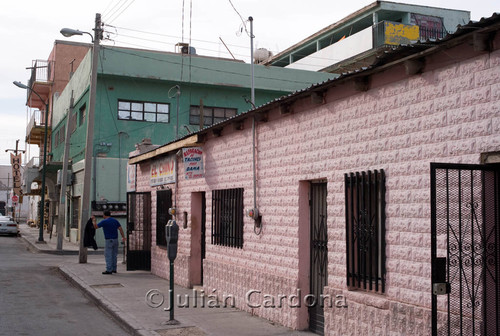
x=137, y=299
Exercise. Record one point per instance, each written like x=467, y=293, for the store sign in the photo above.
x=131, y=177
x=163, y=171
x=193, y=162
x=15, y=160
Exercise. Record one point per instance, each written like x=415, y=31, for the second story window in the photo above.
x=143, y=111
x=82, y=112
x=208, y=116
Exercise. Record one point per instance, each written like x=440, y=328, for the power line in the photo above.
x=242, y=20
x=111, y=20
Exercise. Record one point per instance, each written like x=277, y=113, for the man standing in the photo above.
x=110, y=226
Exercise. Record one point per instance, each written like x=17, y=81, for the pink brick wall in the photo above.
x=449, y=114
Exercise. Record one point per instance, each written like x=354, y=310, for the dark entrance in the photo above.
x=163, y=204
x=319, y=261
x=465, y=211
x=138, y=231
x=203, y=231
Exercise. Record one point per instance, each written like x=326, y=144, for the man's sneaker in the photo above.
x=106, y=272
x=113, y=271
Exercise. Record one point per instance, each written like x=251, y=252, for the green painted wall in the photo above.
x=146, y=76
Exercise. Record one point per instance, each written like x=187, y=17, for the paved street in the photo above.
x=36, y=300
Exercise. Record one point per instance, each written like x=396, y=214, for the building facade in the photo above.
x=48, y=79
x=348, y=199
x=360, y=38
x=144, y=94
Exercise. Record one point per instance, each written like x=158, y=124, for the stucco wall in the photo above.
x=450, y=113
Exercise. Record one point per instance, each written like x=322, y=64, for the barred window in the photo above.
x=227, y=217
x=208, y=116
x=365, y=230
x=143, y=111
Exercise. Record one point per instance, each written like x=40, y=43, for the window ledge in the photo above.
x=377, y=300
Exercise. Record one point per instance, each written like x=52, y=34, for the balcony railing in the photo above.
x=37, y=119
x=383, y=33
x=41, y=71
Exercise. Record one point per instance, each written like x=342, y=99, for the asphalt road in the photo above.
x=36, y=300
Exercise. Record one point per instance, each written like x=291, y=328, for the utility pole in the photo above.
x=62, y=200
x=89, y=145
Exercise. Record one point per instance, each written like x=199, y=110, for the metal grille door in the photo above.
x=319, y=256
x=139, y=231
x=465, y=249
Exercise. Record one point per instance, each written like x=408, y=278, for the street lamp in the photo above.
x=89, y=145
x=68, y=32
x=44, y=171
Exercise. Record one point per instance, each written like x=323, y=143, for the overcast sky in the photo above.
x=29, y=28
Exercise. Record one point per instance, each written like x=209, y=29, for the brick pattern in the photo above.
x=451, y=114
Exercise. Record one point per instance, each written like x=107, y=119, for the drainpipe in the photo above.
x=254, y=212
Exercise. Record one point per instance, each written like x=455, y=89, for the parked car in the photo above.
x=8, y=226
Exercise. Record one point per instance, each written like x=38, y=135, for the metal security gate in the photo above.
x=319, y=257
x=138, y=231
x=465, y=249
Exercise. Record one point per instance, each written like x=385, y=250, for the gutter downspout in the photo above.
x=255, y=212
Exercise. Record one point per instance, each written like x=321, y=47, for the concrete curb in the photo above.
x=35, y=248
x=126, y=321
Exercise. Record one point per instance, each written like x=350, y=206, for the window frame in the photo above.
x=82, y=112
x=143, y=108
x=209, y=118
x=227, y=217
x=365, y=222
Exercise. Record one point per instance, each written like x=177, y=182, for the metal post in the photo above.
x=62, y=200
x=171, y=291
x=89, y=145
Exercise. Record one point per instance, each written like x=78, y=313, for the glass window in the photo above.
x=210, y=115
x=143, y=111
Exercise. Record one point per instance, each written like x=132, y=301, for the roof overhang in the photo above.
x=190, y=141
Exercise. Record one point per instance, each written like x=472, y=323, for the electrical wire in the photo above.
x=124, y=9
x=172, y=36
x=109, y=8
x=244, y=22
x=240, y=54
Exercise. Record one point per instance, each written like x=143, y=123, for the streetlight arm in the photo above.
x=23, y=86
x=68, y=32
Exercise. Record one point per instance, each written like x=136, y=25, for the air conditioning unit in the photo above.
x=185, y=48
x=69, y=177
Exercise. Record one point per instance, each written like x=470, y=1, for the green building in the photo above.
x=144, y=94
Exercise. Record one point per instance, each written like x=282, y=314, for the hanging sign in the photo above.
x=193, y=162
x=163, y=171
x=131, y=177
x=15, y=160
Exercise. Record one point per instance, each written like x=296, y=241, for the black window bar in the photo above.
x=227, y=217
x=365, y=230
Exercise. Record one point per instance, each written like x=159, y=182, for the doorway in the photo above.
x=198, y=237
x=318, y=255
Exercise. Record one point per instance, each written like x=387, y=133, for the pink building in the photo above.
x=358, y=232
